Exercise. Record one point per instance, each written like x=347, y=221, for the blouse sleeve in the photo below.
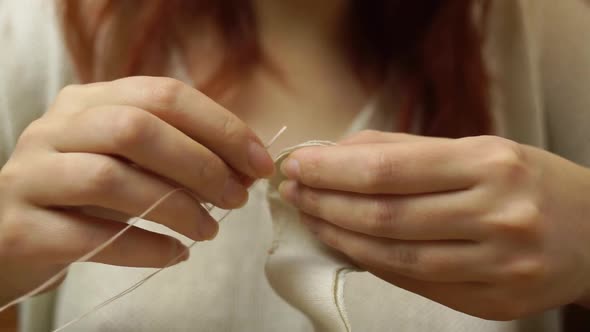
x=33, y=68
x=565, y=77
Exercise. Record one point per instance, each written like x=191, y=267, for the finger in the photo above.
x=154, y=145
x=446, y=216
x=441, y=261
x=63, y=237
x=409, y=168
x=81, y=179
x=375, y=136
x=185, y=108
x=472, y=298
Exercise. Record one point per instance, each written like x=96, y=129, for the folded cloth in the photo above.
x=302, y=270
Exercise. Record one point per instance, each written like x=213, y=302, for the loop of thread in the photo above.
x=130, y=223
x=143, y=280
x=134, y=286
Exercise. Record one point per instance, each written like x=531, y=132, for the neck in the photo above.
x=295, y=19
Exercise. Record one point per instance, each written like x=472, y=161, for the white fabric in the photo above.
x=33, y=68
x=233, y=293
x=307, y=274
x=304, y=272
x=539, y=56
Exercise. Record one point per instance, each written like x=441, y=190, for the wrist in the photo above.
x=577, y=189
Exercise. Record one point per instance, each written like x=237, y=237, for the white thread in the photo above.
x=95, y=251
x=142, y=281
x=131, y=222
x=132, y=287
x=275, y=137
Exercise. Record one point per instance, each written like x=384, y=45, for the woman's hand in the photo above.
x=119, y=146
x=481, y=224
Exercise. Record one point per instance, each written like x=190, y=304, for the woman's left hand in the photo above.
x=483, y=225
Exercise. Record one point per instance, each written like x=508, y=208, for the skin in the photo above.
x=515, y=238
x=107, y=151
x=484, y=225
x=118, y=133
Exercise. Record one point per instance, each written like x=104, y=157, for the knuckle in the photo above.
x=379, y=168
x=130, y=128
x=433, y=265
x=103, y=178
x=67, y=93
x=32, y=134
x=526, y=270
x=310, y=201
x=329, y=237
x=402, y=259
x=366, y=134
x=231, y=129
x=164, y=92
x=521, y=218
x=10, y=175
x=381, y=219
x=423, y=265
x=505, y=159
x=528, y=218
x=15, y=178
x=14, y=234
x=210, y=170
x=310, y=169
x=71, y=98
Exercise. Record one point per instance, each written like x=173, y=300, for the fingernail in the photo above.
x=288, y=191
x=185, y=256
x=234, y=193
x=260, y=160
x=207, y=228
x=290, y=168
x=180, y=251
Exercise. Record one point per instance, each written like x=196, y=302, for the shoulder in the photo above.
x=564, y=39
x=33, y=54
x=560, y=31
x=538, y=53
x=554, y=35
x=34, y=65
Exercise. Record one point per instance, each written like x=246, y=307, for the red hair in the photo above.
x=434, y=47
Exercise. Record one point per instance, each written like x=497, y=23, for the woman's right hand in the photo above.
x=119, y=146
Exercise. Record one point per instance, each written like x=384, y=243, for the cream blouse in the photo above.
x=538, y=54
